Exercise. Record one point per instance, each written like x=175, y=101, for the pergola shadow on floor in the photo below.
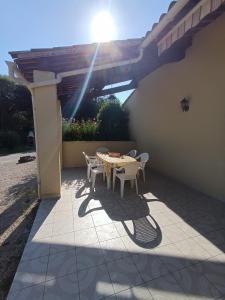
x=166, y=243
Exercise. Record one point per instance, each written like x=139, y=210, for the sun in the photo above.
x=103, y=27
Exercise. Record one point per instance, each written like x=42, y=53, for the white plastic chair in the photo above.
x=143, y=158
x=102, y=150
x=98, y=169
x=128, y=172
x=91, y=161
x=132, y=153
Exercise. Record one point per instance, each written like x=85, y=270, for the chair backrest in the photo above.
x=132, y=153
x=86, y=158
x=132, y=168
x=102, y=150
x=143, y=157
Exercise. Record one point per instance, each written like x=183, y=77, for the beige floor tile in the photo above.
x=174, y=233
x=195, y=284
x=89, y=256
x=65, y=288
x=83, y=222
x=212, y=249
x=192, y=251
x=131, y=246
x=124, y=274
x=95, y=283
x=61, y=264
x=85, y=237
x=100, y=218
x=62, y=227
x=166, y=288
x=62, y=242
x=107, y=232
x=121, y=227
x=137, y=292
x=34, y=292
x=41, y=232
x=114, y=249
x=35, y=249
x=30, y=273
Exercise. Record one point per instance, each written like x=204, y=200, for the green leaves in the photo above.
x=111, y=124
x=113, y=121
x=80, y=130
x=16, y=116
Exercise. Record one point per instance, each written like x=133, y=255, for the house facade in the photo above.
x=177, y=112
x=189, y=146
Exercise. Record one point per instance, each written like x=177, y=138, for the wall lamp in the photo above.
x=185, y=104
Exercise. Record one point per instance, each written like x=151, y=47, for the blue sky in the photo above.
x=26, y=24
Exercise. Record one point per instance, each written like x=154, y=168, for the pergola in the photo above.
x=60, y=74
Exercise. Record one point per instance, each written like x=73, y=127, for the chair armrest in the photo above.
x=96, y=164
x=117, y=170
x=92, y=157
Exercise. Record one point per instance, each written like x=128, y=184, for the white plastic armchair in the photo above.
x=98, y=169
x=128, y=172
x=132, y=153
x=143, y=158
x=91, y=161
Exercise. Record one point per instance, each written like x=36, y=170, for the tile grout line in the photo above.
x=174, y=243
x=105, y=262
x=73, y=195
x=47, y=266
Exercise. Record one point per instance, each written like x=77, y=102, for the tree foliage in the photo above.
x=16, y=117
x=113, y=121
x=111, y=124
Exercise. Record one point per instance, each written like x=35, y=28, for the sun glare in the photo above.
x=103, y=27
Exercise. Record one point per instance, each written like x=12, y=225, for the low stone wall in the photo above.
x=72, y=151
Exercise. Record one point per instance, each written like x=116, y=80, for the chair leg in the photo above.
x=88, y=173
x=114, y=179
x=136, y=184
x=103, y=176
x=143, y=171
x=93, y=177
x=121, y=188
x=132, y=183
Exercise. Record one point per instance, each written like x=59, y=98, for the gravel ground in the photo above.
x=18, y=204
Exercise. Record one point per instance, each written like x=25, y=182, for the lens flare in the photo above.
x=103, y=27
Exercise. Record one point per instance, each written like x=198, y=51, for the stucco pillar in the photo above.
x=47, y=122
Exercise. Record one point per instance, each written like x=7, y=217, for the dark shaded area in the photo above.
x=15, y=224
x=16, y=114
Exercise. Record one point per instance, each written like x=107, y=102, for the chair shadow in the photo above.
x=144, y=232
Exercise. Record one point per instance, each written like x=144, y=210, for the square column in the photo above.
x=47, y=122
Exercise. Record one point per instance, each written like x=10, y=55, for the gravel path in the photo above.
x=13, y=174
x=18, y=203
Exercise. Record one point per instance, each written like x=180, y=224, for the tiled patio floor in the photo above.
x=167, y=243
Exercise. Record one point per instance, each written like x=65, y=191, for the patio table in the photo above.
x=113, y=162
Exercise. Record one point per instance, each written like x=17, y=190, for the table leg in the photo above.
x=108, y=180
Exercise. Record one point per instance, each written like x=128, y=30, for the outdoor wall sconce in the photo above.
x=185, y=103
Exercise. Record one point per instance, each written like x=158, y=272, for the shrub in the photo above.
x=112, y=124
x=80, y=131
x=113, y=121
x=9, y=139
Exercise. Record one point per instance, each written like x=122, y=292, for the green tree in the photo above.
x=15, y=109
x=113, y=120
x=7, y=102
